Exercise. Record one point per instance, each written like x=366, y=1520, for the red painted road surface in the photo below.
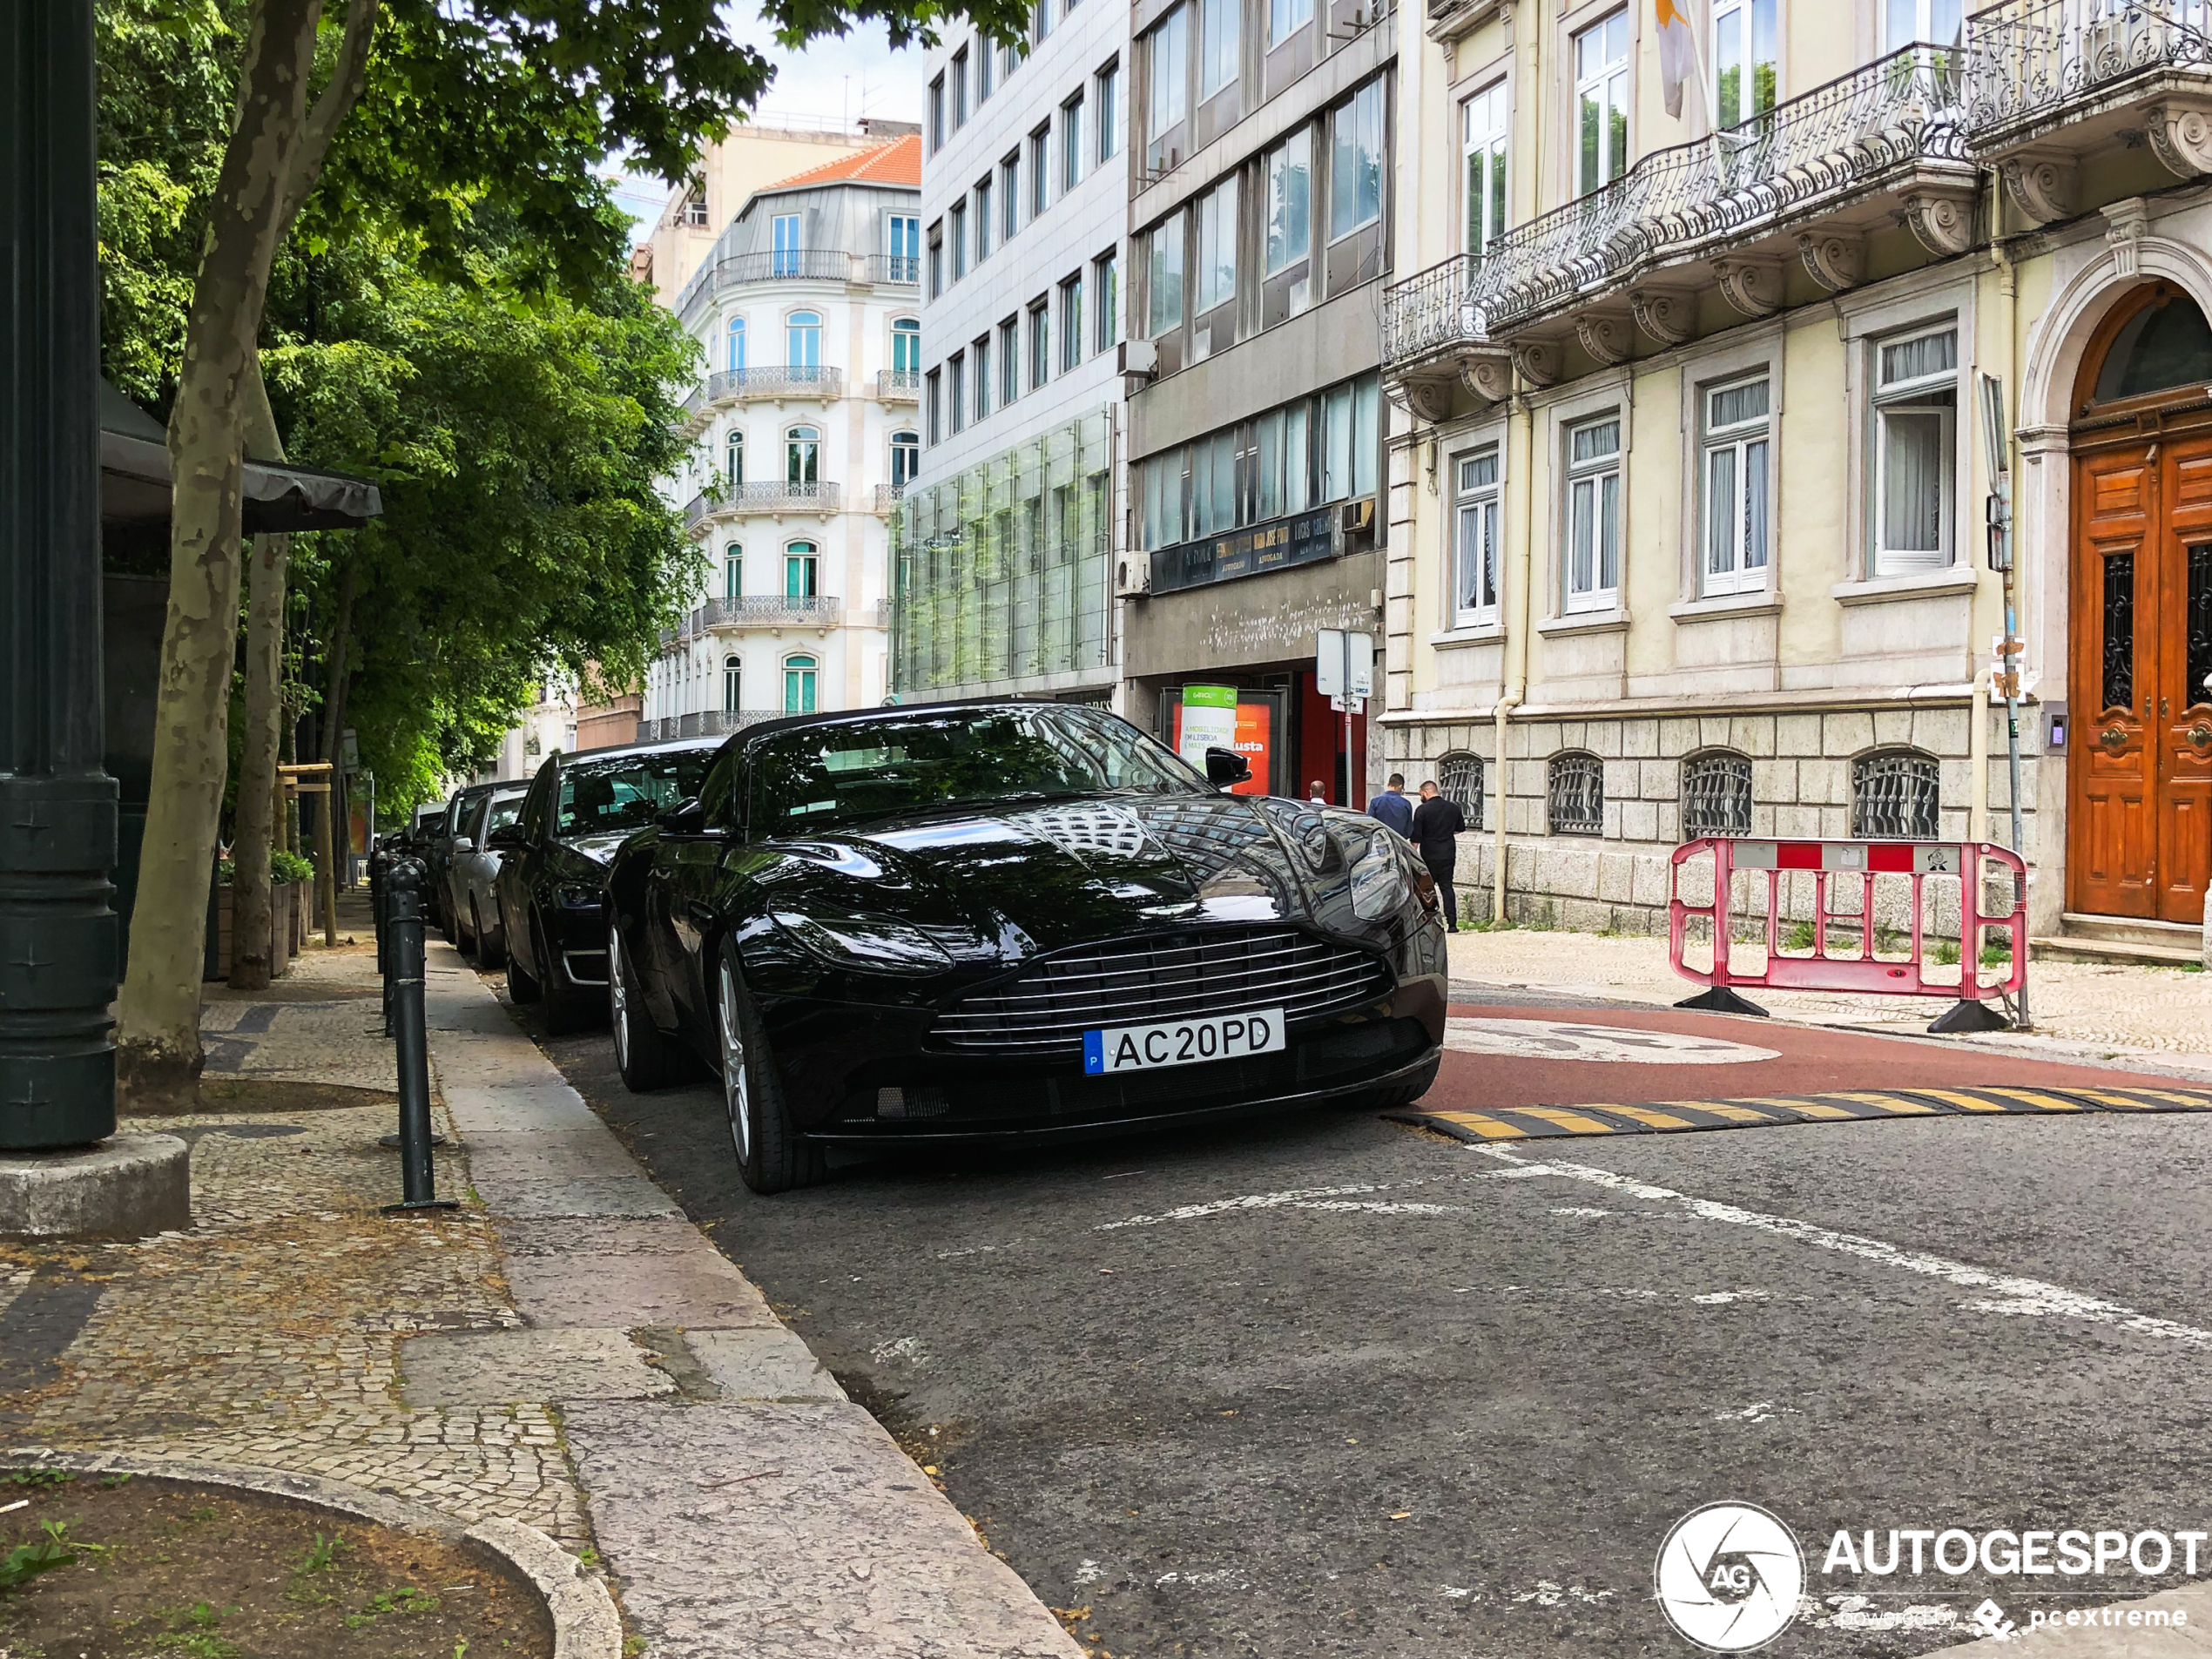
x=1812, y=1060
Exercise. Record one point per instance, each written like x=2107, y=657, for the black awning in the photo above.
x=134, y=481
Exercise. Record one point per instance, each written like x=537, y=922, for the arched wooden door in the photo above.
x=2139, y=779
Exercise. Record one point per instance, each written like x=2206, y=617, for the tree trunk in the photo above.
x=158, y=1048
x=252, y=912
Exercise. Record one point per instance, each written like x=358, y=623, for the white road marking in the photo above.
x=1764, y=1412
x=1089, y=1571
x=1227, y=1577
x=2021, y=1294
x=1304, y=1199
x=1547, y=1593
x=1620, y=1045
x=906, y=1348
x=1581, y=1209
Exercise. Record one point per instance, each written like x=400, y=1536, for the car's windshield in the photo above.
x=909, y=763
x=626, y=794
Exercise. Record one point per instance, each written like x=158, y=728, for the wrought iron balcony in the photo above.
x=2048, y=80
x=887, y=498
x=710, y=723
x=895, y=270
x=728, y=386
x=768, y=610
x=725, y=501
x=1805, y=181
x=899, y=385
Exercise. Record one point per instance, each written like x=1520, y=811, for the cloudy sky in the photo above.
x=834, y=80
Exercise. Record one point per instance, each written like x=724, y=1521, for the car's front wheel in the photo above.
x=646, y=1057
x=772, y=1155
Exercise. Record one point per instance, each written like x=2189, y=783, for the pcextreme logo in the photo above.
x=1728, y=1577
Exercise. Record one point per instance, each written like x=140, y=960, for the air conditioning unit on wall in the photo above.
x=1133, y=576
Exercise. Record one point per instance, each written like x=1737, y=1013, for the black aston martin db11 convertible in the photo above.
x=1010, y=919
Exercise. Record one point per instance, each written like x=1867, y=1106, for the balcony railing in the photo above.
x=799, y=264
x=886, y=497
x=767, y=610
x=775, y=379
x=712, y=723
x=1804, y=157
x=770, y=495
x=2033, y=62
x=899, y=385
x=903, y=270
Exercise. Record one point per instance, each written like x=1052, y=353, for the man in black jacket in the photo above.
x=1437, y=823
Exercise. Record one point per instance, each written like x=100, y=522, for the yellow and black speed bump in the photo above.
x=1671, y=1116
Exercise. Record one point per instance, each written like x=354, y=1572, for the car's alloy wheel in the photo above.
x=737, y=1093
x=617, y=999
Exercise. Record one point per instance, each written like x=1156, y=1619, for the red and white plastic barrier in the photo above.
x=1861, y=969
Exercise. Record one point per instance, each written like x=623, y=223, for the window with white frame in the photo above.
x=1216, y=274
x=1483, y=129
x=1289, y=236
x=1285, y=18
x=960, y=89
x=1475, y=538
x=1071, y=322
x=1602, y=103
x=1907, y=22
x=1746, y=59
x=982, y=219
x=906, y=346
x=1039, y=171
x=803, y=456
x=1009, y=196
x=1356, y=161
x=1040, y=343
x=906, y=458
x=802, y=570
x=933, y=405
x=799, y=684
x=737, y=344
x=1217, y=45
x=732, y=684
x=905, y=233
x=980, y=352
x=732, y=571
x=1593, y=550
x=1071, y=144
x=784, y=232
x=1169, y=90
x=986, y=57
x=733, y=458
x=1735, y=471
x=1106, y=302
x=956, y=390
x=1009, y=361
x=956, y=233
x=1916, y=406
x=803, y=340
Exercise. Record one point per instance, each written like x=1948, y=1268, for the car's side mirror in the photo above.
x=1226, y=766
x=685, y=818
x=507, y=836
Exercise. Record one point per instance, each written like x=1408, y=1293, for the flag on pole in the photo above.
x=1677, y=54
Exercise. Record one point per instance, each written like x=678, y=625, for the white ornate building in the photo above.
x=806, y=425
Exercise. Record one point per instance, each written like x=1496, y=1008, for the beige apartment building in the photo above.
x=1691, y=474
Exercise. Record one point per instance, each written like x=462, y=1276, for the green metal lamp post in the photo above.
x=57, y=805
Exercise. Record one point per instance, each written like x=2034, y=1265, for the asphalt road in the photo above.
x=1334, y=1385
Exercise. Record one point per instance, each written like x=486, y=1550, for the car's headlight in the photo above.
x=878, y=944
x=574, y=895
x=1378, y=881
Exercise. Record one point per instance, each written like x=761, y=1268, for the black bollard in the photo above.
x=403, y=885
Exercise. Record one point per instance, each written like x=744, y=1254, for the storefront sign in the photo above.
x=1303, y=538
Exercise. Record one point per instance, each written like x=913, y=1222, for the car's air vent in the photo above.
x=1138, y=982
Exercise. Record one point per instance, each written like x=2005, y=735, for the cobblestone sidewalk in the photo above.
x=2159, y=1015
x=267, y=1334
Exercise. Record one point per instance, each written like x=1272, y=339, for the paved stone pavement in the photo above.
x=268, y=1333
x=2089, y=1009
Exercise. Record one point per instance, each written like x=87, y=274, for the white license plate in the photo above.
x=1182, y=1042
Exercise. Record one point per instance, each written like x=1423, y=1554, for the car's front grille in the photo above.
x=1141, y=981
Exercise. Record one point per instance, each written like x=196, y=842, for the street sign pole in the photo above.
x=2000, y=555
x=57, y=805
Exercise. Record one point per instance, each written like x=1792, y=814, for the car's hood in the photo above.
x=1034, y=877
x=599, y=848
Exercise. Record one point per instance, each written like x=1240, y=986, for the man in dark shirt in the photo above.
x=1393, y=807
x=1437, y=822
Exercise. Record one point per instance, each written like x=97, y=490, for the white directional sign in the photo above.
x=1344, y=664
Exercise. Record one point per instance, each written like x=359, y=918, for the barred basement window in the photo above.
x=1458, y=779
x=1577, y=795
x=1715, y=795
x=1894, y=795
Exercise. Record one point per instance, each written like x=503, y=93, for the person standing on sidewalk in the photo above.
x=1392, y=806
x=1437, y=825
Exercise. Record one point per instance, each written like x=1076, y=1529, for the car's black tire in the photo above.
x=772, y=1156
x=1397, y=1095
x=522, y=984
x=563, y=1005
x=647, y=1057
x=490, y=951
x=448, y=924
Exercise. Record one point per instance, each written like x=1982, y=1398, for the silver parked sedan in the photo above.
x=471, y=872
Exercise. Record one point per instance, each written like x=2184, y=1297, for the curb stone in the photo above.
x=585, y=1624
